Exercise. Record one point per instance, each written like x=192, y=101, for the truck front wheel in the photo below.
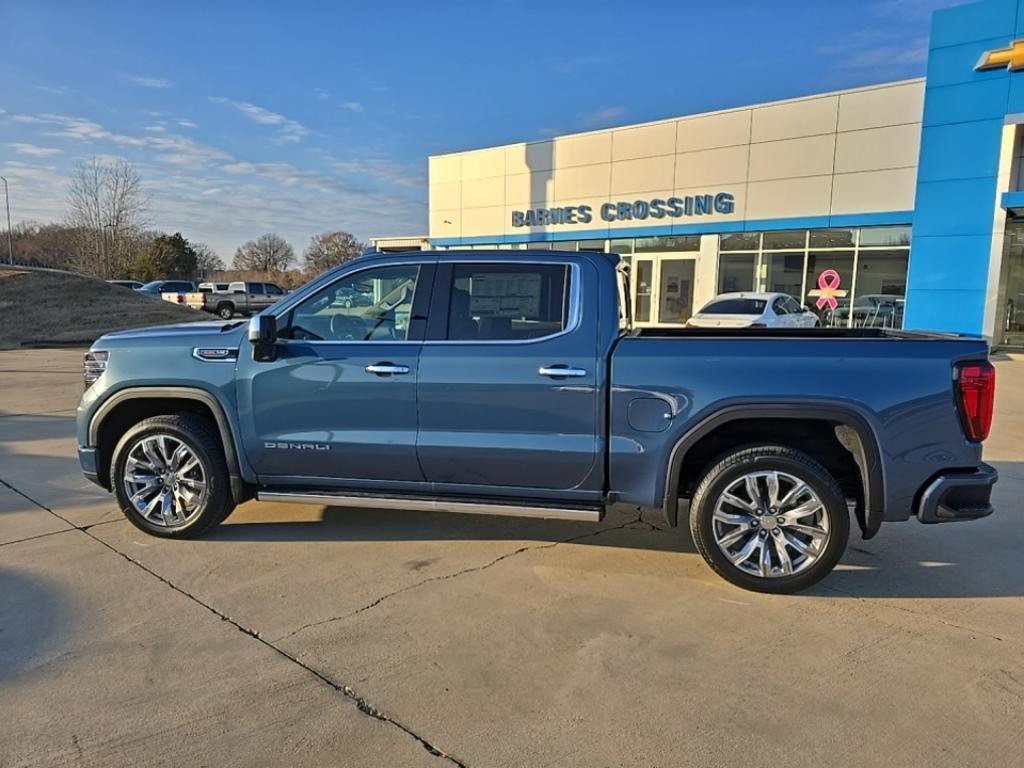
x=769, y=519
x=170, y=476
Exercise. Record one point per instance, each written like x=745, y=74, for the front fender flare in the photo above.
x=197, y=394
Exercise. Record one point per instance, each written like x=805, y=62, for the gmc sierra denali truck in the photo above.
x=512, y=383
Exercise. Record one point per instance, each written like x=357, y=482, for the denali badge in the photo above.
x=298, y=446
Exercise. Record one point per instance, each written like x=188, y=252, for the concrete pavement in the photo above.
x=298, y=635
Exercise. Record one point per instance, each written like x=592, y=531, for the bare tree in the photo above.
x=329, y=249
x=207, y=260
x=267, y=253
x=108, y=207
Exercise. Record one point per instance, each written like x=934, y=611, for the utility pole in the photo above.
x=10, y=237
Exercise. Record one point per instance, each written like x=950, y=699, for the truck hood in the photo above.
x=218, y=332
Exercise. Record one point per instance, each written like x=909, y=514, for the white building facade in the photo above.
x=895, y=205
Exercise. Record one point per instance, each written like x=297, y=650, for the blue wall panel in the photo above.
x=955, y=205
x=960, y=150
x=961, y=103
x=976, y=21
x=946, y=261
x=933, y=308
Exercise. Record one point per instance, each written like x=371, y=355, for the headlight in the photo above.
x=93, y=367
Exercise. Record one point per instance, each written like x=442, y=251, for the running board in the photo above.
x=584, y=514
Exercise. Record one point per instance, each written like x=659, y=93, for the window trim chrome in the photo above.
x=574, y=315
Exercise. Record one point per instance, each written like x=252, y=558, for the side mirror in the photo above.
x=263, y=334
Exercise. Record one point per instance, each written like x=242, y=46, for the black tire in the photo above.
x=225, y=311
x=347, y=303
x=202, y=438
x=735, y=466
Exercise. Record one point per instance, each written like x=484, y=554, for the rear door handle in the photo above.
x=562, y=372
x=387, y=369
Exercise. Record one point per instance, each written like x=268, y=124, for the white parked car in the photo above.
x=754, y=310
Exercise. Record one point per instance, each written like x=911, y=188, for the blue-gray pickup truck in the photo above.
x=512, y=383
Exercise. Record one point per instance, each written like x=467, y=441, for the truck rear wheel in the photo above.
x=225, y=311
x=769, y=519
x=170, y=476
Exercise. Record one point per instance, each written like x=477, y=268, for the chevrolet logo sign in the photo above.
x=1011, y=58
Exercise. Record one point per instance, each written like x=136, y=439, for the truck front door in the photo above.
x=338, y=404
x=509, y=379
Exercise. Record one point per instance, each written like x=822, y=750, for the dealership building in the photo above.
x=892, y=205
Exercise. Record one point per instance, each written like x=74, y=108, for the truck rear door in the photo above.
x=508, y=378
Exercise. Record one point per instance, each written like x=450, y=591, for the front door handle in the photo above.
x=562, y=372
x=387, y=369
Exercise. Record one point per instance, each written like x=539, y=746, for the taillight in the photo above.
x=976, y=387
x=94, y=365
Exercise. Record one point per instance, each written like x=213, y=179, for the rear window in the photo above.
x=735, y=307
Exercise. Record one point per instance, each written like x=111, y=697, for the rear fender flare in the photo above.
x=867, y=454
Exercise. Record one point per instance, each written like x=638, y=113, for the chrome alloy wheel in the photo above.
x=164, y=480
x=770, y=524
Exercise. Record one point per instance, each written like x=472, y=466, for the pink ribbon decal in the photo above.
x=828, y=290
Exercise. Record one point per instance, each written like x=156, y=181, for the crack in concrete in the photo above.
x=464, y=571
x=918, y=614
x=360, y=702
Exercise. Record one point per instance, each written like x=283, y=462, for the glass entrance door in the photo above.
x=675, y=291
x=1012, y=292
x=663, y=289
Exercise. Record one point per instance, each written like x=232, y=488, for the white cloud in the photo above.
x=33, y=150
x=51, y=89
x=170, y=148
x=353, y=106
x=383, y=170
x=321, y=94
x=602, y=118
x=288, y=130
x=148, y=82
x=187, y=124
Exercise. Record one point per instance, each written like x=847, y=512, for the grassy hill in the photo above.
x=42, y=307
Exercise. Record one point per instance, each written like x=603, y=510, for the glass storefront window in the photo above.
x=784, y=273
x=621, y=246
x=794, y=238
x=832, y=238
x=829, y=275
x=881, y=289
x=675, y=291
x=592, y=245
x=884, y=236
x=643, y=280
x=564, y=245
x=741, y=241
x=667, y=244
x=736, y=272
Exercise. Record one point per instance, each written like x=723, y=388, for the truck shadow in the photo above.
x=905, y=560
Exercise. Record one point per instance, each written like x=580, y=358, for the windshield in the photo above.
x=153, y=285
x=735, y=307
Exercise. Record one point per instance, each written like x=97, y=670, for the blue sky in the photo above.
x=301, y=117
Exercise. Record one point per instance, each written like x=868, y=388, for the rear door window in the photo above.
x=508, y=302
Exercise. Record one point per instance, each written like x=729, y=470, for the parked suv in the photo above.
x=158, y=287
